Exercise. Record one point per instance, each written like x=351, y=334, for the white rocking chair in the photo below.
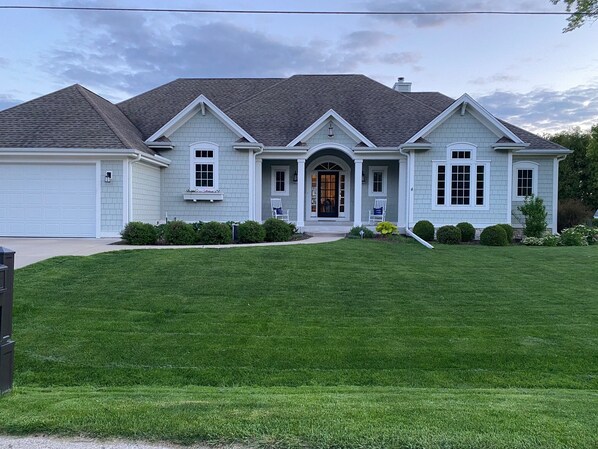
x=277, y=211
x=378, y=213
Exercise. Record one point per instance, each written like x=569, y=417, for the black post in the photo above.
x=7, y=273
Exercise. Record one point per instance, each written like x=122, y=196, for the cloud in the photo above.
x=494, y=79
x=120, y=54
x=7, y=101
x=545, y=110
x=436, y=20
x=358, y=40
x=403, y=57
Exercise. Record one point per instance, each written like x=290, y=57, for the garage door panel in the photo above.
x=48, y=200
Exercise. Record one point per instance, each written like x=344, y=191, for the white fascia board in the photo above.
x=189, y=111
x=246, y=146
x=533, y=152
x=318, y=124
x=416, y=146
x=154, y=160
x=478, y=111
x=58, y=152
x=509, y=146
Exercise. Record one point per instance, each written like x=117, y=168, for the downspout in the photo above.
x=408, y=231
x=254, y=188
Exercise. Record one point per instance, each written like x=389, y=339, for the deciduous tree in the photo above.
x=581, y=11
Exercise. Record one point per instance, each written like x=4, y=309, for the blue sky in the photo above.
x=522, y=68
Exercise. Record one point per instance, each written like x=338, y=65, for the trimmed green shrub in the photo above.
x=137, y=233
x=251, y=232
x=509, y=230
x=197, y=226
x=450, y=235
x=386, y=228
x=534, y=213
x=277, y=230
x=494, y=236
x=551, y=240
x=579, y=235
x=467, y=231
x=355, y=232
x=179, y=233
x=215, y=233
x=424, y=230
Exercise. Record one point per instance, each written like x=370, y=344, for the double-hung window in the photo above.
x=525, y=179
x=204, y=166
x=461, y=181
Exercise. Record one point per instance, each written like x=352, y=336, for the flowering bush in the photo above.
x=533, y=241
x=547, y=240
x=386, y=228
x=579, y=235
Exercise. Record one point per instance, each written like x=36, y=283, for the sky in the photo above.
x=523, y=69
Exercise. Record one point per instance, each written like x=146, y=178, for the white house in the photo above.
x=73, y=164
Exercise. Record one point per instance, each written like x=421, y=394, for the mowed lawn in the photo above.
x=346, y=345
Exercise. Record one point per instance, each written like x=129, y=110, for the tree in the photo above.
x=581, y=11
x=578, y=174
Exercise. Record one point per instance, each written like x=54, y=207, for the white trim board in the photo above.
x=331, y=114
x=189, y=111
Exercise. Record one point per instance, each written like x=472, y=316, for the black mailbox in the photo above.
x=7, y=264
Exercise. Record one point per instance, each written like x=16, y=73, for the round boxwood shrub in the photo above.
x=450, y=235
x=494, y=236
x=251, y=232
x=467, y=231
x=277, y=230
x=509, y=230
x=355, y=232
x=215, y=233
x=424, y=230
x=137, y=233
x=179, y=233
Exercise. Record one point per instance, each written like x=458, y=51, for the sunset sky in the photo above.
x=522, y=68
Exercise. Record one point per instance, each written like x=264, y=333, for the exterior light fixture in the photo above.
x=330, y=130
x=362, y=177
x=295, y=177
x=108, y=177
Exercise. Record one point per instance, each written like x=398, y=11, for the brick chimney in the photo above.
x=402, y=86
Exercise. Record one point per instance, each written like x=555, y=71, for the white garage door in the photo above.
x=47, y=200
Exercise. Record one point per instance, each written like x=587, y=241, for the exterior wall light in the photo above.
x=108, y=177
x=295, y=177
x=362, y=177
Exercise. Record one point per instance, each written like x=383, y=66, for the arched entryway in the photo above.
x=328, y=189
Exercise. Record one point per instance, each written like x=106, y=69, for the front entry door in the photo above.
x=327, y=194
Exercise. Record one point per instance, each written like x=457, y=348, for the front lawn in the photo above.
x=390, y=344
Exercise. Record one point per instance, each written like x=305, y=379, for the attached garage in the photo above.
x=48, y=200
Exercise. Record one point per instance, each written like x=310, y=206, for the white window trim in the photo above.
x=277, y=168
x=525, y=165
x=384, y=171
x=473, y=162
x=196, y=160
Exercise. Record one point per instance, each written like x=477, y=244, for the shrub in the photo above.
x=467, y=231
x=179, y=233
x=197, y=226
x=215, y=233
x=579, y=235
x=551, y=240
x=534, y=213
x=424, y=230
x=572, y=212
x=509, y=230
x=137, y=233
x=251, y=232
x=450, y=235
x=494, y=236
x=547, y=240
x=355, y=232
x=277, y=230
x=386, y=228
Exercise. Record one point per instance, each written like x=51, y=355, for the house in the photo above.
x=74, y=164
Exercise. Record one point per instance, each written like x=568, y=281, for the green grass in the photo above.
x=389, y=344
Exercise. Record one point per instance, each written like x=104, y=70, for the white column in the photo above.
x=357, y=193
x=300, y=193
x=403, y=192
x=258, y=190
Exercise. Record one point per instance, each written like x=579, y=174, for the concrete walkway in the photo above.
x=32, y=250
x=86, y=443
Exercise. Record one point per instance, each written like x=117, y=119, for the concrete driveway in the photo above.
x=32, y=250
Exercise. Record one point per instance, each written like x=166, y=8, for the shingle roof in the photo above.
x=273, y=110
x=73, y=117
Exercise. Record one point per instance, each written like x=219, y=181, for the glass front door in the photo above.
x=328, y=194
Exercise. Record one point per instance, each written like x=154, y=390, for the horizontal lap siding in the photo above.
x=112, y=197
x=233, y=173
x=455, y=129
x=146, y=193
